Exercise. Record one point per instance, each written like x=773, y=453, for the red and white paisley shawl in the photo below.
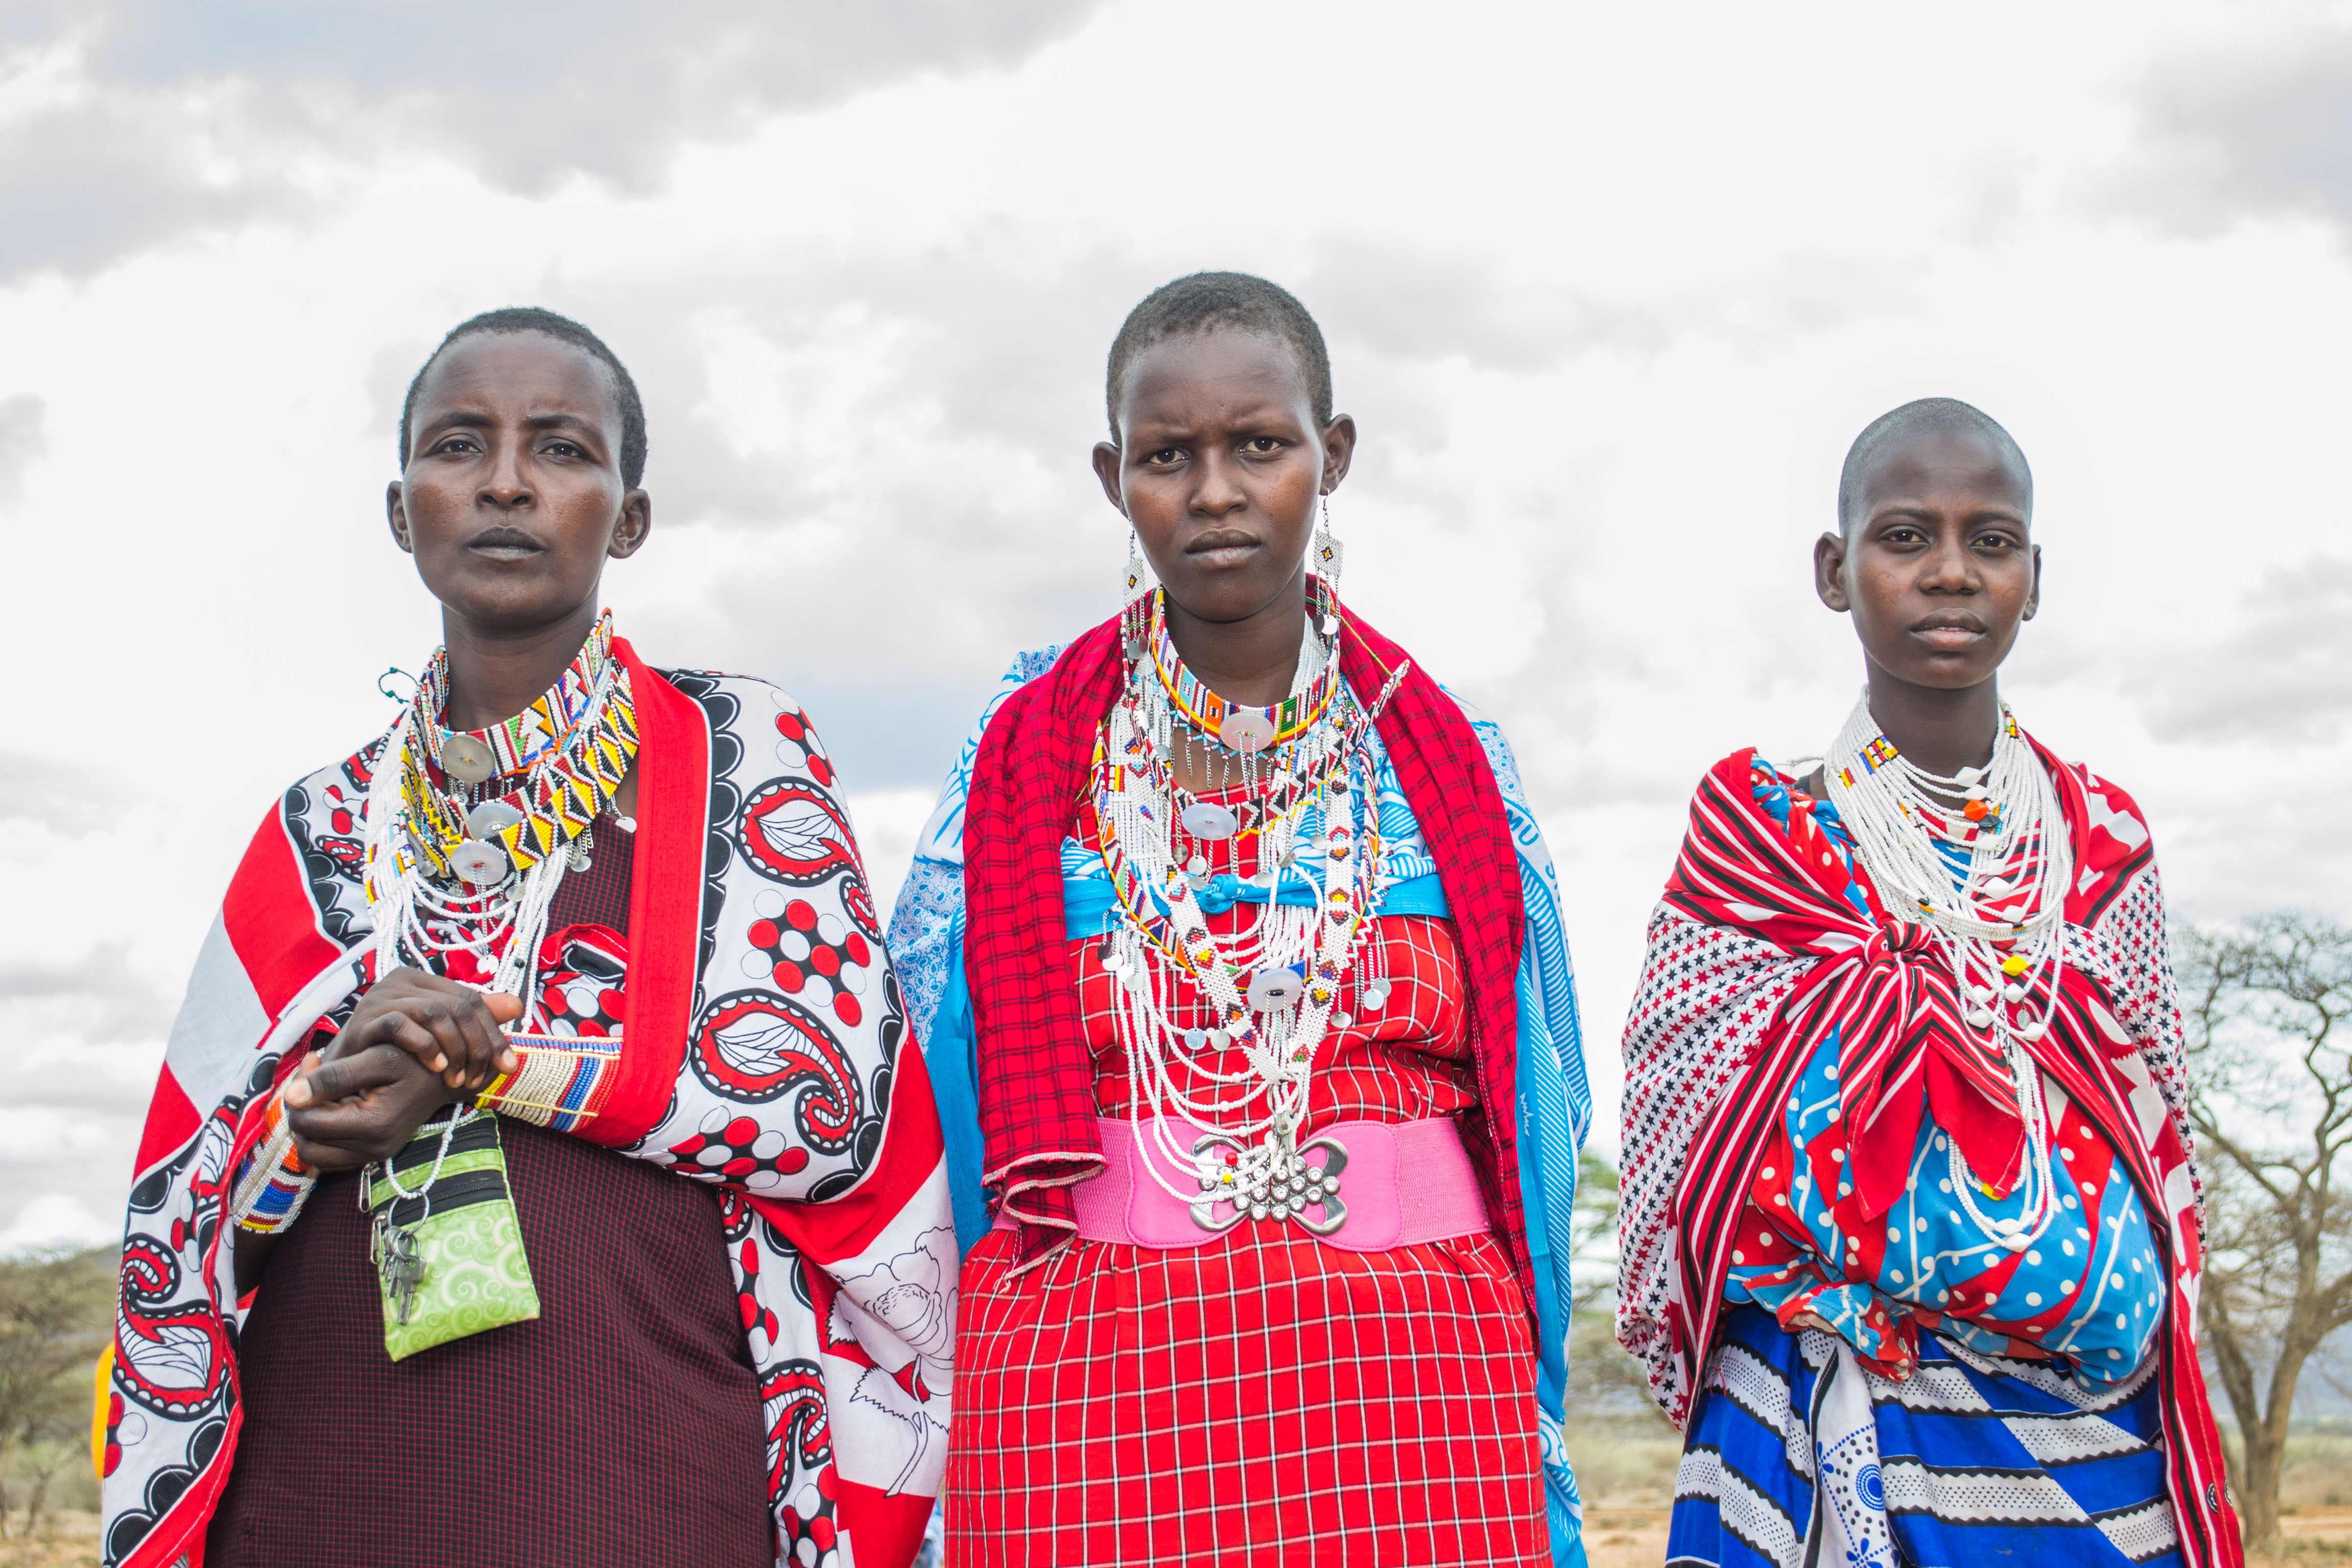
x=838, y=1224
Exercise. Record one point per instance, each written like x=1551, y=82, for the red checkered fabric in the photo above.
x=1263, y=1398
x=1036, y=1090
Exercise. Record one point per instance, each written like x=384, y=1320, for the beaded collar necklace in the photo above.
x=462, y=857
x=572, y=747
x=1237, y=727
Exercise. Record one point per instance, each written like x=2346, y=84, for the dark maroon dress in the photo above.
x=620, y=1426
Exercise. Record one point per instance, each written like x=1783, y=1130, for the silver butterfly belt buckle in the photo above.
x=1273, y=1180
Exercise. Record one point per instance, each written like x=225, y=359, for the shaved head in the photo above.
x=1927, y=417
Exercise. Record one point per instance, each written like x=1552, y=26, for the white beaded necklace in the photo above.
x=1277, y=979
x=1991, y=888
x=419, y=917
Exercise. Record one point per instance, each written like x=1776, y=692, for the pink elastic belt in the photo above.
x=1366, y=1186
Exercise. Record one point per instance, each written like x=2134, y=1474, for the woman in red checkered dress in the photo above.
x=1240, y=960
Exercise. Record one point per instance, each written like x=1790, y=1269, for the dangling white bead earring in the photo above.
x=1328, y=553
x=1134, y=589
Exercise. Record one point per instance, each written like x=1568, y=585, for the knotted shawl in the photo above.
x=1756, y=955
x=835, y=1197
x=1036, y=1076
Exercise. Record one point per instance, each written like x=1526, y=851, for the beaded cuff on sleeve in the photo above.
x=272, y=1184
x=561, y=1083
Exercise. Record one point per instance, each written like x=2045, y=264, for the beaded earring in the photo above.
x=1134, y=595
x=1327, y=554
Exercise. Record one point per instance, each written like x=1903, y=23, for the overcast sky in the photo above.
x=1609, y=290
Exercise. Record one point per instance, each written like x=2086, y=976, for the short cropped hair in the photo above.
x=1937, y=415
x=1235, y=299
x=564, y=330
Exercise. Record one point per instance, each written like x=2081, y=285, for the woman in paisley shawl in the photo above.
x=1910, y=1225
x=1237, y=958
x=538, y=1174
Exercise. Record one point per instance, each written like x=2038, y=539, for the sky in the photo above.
x=1609, y=290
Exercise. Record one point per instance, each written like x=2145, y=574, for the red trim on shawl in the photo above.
x=909, y=1156
x=1738, y=870
x=1037, y=1088
x=673, y=771
x=271, y=920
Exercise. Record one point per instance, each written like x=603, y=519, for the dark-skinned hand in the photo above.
x=415, y=1043
x=452, y=1029
x=360, y=1105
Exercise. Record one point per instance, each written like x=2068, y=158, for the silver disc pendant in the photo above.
x=1270, y=990
x=1205, y=819
x=1246, y=729
x=466, y=760
x=491, y=818
x=477, y=862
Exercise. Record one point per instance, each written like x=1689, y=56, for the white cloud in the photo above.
x=1608, y=292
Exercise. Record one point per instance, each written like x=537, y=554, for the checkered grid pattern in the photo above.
x=1262, y=1399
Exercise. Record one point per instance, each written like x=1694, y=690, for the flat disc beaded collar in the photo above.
x=1982, y=859
x=467, y=832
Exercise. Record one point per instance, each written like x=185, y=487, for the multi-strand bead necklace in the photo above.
x=470, y=832
x=1185, y=996
x=1982, y=860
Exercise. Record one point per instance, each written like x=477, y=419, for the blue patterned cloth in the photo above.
x=1973, y=1460
x=1555, y=1104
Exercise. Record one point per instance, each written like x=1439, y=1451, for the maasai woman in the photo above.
x=1238, y=927
x=537, y=1174
x=1911, y=1229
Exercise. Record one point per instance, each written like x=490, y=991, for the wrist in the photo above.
x=272, y=1183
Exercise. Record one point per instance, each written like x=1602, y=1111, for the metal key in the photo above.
x=403, y=1269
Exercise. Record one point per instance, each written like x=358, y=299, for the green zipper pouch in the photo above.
x=450, y=1260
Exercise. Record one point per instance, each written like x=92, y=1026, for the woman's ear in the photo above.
x=1829, y=572
x=1107, y=462
x=1338, y=450
x=395, y=512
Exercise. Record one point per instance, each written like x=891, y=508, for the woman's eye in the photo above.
x=457, y=444
x=1261, y=445
x=563, y=450
x=1996, y=542
x=1165, y=456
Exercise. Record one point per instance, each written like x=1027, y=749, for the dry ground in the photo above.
x=68, y=1539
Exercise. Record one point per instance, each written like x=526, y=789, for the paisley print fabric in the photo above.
x=786, y=1090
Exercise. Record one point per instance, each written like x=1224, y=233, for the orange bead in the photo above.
x=1975, y=810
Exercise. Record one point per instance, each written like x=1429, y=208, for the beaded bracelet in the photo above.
x=560, y=1080
x=272, y=1184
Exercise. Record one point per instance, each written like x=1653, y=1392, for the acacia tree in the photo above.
x=2268, y=1007
x=57, y=1309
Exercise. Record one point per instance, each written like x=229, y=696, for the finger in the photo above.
x=346, y=1077
x=297, y=1088
x=487, y=1050
x=327, y=1159
x=505, y=1009
x=447, y=1017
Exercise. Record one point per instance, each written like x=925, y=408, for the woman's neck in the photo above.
x=1941, y=730
x=1251, y=661
x=495, y=675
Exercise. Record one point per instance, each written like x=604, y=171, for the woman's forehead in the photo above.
x=522, y=367
x=1187, y=373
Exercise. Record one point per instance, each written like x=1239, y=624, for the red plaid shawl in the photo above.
x=1036, y=1078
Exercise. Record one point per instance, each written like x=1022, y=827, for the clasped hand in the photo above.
x=415, y=1043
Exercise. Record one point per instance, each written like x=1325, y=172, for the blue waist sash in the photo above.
x=1088, y=902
